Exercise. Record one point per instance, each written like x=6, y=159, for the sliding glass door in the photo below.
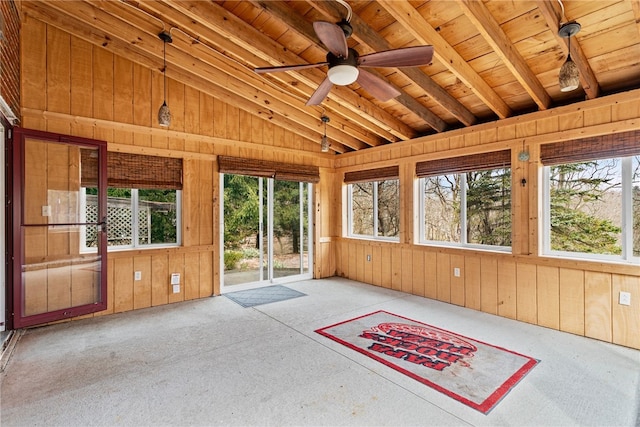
x=266, y=230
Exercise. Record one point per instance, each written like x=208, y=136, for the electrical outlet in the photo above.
x=175, y=278
x=456, y=272
x=46, y=210
x=368, y=258
x=137, y=275
x=625, y=298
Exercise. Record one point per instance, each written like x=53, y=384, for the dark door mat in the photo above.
x=265, y=295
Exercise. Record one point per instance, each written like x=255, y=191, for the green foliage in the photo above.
x=489, y=207
x=575, y=231
x=231, y=259
x=163, y=214
x=250, y=253
x=573, y=228
x=241, y=209
x=286, y=212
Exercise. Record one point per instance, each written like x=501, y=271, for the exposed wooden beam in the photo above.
x=480, y=16
x=286, y=15
x=551, y=12
x=415, y=23
x=148, y=52
x=365, y=35
x=355, y=138
x=245, y=36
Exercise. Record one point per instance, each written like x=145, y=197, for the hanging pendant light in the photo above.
x=569, y=77
x=324, y=142
x=164, y=115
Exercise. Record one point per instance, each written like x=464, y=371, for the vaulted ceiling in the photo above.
x=492, y=59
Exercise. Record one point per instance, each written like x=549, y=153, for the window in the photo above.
x=143, y=201
x=136, y=218
x=591, y=198
x=374, y=203
x=466, y=201
x=589, y=205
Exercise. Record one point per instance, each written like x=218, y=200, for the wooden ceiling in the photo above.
x=493, y=58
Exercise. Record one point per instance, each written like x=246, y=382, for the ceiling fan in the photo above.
x=345, y=63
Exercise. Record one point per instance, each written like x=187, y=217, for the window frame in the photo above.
x=135, y=229
x=420, y=229
x=375, y=236
x=626, y=217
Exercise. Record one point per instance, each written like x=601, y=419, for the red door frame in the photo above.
x=16, y=198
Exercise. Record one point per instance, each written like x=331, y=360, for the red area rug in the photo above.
x=471, y=371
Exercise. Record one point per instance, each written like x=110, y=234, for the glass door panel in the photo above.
x=290, y=219
x=244, y=246
x=58, y=276
x=266, y=229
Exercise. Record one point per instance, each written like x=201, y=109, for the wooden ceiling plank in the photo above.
x=353, y=134
x=68, y=17
x=480, y=16
x=414, y=22
x=243, y=35
x=367, y=36
x=587, y=77
x=635, y=5
x=305, y=29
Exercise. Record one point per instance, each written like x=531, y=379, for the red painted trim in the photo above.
x=483, y=407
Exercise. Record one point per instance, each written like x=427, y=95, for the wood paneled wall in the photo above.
x=580, y=297
x=72, y=87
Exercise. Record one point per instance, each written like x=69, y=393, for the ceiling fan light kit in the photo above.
x=569, y=76
x=343, y=75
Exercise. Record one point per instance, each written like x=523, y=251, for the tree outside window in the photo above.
x=375, y=209
x=477, y=202
x=591, y=204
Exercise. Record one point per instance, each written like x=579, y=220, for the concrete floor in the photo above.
x=212, y=362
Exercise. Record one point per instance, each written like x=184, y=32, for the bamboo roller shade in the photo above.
x=269, y=169
x=463, y=164
x=379, y=174
x=126, y=170
x=592, y=148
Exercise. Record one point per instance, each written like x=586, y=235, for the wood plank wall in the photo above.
x=70, y=86
x=107, y=97
x=579, y=297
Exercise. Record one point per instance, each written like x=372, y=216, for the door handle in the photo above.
x=102, y=226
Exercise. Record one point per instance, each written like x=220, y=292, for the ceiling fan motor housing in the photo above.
x=352, y=59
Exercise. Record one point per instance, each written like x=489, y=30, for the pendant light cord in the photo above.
x=164, y=68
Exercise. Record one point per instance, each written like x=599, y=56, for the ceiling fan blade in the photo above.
x=321, y=92
x=262, y=70
x=376, y=86
x=413, y=56
x=332, y=37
